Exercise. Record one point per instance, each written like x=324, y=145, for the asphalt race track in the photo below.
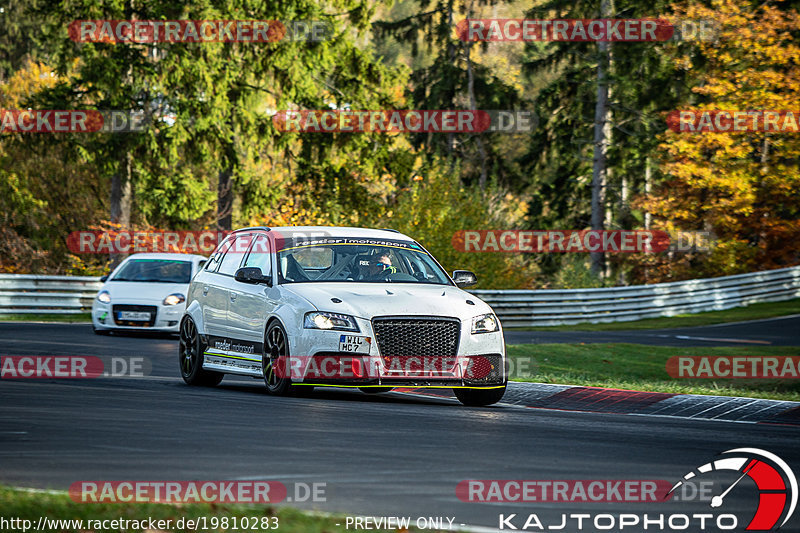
x=387, y=455
x=781, y=331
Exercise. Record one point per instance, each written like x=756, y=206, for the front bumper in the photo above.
x=166, y=317
x=480, y=362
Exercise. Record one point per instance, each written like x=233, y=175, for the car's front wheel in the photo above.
x=479, y=397
x=275, y=361
x=190, y=357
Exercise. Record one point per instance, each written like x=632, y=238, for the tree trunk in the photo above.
x=225, y=181
x=473, y=106
x=122, y=180
x=121, y=201
x=647, y=188
x=451, y=52
x=601, y=142
x=225, y=200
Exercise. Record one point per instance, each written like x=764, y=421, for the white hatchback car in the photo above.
x=145, y=292
x=325, y=306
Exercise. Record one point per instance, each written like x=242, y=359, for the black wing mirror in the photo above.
x=252, y=275
x=104, y=278
x=464, y=278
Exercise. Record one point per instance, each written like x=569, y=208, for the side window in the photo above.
x=213, y=261
x=233, y=255
x=260, y=256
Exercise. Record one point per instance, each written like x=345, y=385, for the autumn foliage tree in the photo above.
x=46, y=187
x=741, y=186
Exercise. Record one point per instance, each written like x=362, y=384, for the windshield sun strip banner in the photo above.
x=351, y=241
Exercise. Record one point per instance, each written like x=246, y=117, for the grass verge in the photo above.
x=738, y=314
x=643, y=368
x=30, y=505
x=79, y=317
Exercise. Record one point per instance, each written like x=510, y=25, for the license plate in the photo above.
x=135, y=316
x=354, y=344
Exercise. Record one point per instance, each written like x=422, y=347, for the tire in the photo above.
x=276, y=344
x=375, y=390
x=479, y=397
x=190, y=357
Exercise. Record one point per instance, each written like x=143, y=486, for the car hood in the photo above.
x=132, y=291
x=366, y=300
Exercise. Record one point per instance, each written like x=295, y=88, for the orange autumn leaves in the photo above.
x=743, y=186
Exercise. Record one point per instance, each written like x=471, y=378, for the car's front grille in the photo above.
x=117, y=309
x=400, y=338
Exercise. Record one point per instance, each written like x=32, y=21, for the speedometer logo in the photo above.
x=776, y=483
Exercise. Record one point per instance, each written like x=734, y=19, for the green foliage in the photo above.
x=643, y=82
x=452, y=74
x=20, y=38
x=575, y=273
x=436, y=206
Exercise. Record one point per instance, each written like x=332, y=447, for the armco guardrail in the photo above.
x=67, y=294
x=565, y=307
x=24, y=294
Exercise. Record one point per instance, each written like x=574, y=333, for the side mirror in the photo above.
x=252, y=275
x=104, y=278
x=464, y=278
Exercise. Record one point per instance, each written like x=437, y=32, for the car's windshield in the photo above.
x=155, y=270
x=357, y=260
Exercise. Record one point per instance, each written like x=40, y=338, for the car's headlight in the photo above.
x=323, y=320
x=104, y=296
x=174, y=299
x=485, y=324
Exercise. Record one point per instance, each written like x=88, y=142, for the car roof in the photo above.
x=165, y=256
x=334, y=231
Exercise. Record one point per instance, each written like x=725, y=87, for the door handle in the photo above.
x=233, y=296
x=205, y=290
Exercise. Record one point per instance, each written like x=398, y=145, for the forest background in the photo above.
x=601, y=155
